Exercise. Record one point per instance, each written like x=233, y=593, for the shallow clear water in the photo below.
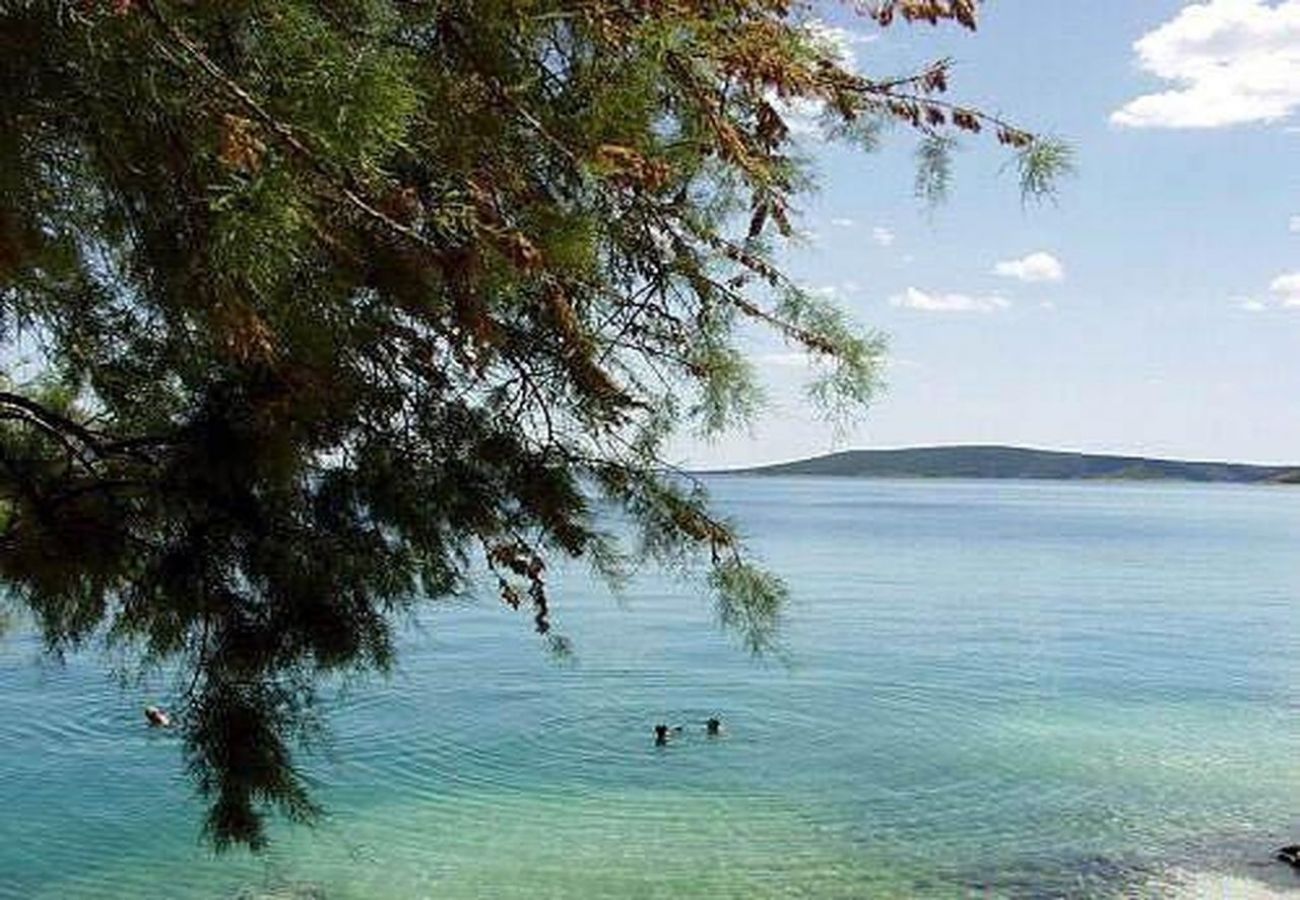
x=990, y=689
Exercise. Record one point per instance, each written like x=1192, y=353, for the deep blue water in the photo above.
x=987, y=689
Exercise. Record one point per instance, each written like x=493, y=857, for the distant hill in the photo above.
x=1022, y=462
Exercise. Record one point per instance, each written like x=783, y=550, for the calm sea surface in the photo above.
x=989, y=689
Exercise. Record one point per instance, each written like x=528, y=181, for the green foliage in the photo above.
x=850, y=360
x=1041, y=165
x=749, y=602
x=934, y=167
x=332, y=299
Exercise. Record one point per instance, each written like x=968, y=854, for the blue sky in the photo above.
x=1153, y=309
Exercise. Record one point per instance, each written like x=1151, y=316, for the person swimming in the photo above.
x=713, y=726
x=157, y=717
x=664, y=732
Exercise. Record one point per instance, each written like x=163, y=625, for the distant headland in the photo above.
x=984, y=461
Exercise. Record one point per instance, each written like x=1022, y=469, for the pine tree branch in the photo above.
x=283, y=132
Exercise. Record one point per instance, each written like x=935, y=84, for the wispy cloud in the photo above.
x=1228, y=62
x=843, y=223
x=882, y=236
x=913, y=298
x=1293, y=225
x=1034, y=268
x=837, y=291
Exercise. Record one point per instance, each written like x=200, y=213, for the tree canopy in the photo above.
x=310, y=307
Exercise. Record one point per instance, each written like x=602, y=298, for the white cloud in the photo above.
x=1284, y=291
x=842, y=223
x=1286, y=288
x=882, y=236
x=801, y=115
x=1228, y=62
x=839, y=42
x=1293, y=224
x=913, y=298
x=1034, y=268
x=795, y=359
x=837, y=291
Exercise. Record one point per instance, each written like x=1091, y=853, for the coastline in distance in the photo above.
x=992, y=461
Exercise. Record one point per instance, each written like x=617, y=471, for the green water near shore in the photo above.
x=1020, y=690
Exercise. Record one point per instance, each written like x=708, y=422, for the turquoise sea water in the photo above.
x=990, y=689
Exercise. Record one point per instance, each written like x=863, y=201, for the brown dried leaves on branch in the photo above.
x=239, y=147
x=243, y=334
x=933, y=11
x=625, y=166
